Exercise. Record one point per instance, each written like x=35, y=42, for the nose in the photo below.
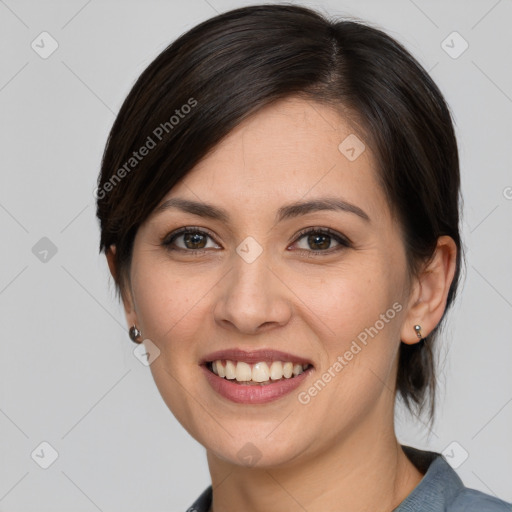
x=252, y=298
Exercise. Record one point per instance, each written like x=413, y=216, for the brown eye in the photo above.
x=188, y=240
x=194, y=240
x=321, y=241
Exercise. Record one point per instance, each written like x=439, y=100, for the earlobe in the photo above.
x=433, y=286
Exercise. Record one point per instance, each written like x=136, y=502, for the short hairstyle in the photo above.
x=228, y=67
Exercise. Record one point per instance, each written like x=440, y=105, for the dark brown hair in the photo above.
x=226, y=68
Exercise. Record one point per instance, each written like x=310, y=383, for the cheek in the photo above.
x=171, y=310
x=349, y=302
x=357, y=318
x=167, y=303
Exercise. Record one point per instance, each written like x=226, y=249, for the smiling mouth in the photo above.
x=261, y=373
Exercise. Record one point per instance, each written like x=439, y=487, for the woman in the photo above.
x=279, y=208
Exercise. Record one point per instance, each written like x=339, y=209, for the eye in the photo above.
x=319, y=240
x=194, y=240
x=188, y=239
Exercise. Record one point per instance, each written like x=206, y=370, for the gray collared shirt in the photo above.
x=440, y=490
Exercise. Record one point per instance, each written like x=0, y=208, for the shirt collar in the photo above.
x=438, y=487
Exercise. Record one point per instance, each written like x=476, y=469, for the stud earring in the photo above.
x=417, y=328
x=135, y=334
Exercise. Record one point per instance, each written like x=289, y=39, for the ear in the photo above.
x=430, y=291
x=126, y=296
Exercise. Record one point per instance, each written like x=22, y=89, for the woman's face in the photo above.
x=265, y=284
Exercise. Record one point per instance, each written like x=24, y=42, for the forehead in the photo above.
x=289, y=150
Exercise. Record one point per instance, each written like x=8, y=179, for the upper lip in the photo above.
x=254, y=356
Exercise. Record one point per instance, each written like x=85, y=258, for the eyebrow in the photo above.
x=288, y=211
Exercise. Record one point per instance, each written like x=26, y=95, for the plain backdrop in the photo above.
x=67, y=371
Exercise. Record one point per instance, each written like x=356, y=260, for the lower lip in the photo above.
x=253, y=394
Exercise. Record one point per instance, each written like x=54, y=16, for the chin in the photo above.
x=255, y=449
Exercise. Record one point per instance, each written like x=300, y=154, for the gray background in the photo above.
x=68, y=374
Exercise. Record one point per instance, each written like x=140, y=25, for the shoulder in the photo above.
x=471, y=500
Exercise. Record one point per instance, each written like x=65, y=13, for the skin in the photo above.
x=339, y=451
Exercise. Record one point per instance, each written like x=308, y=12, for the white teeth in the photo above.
x=243, y=372
x=258, y=372
x=230, y=370
x=297, y=369
x=276, y=370
x=221, y=372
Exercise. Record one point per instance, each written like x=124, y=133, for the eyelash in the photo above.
x=343, y=241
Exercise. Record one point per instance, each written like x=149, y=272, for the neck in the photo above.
x=366, y=470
